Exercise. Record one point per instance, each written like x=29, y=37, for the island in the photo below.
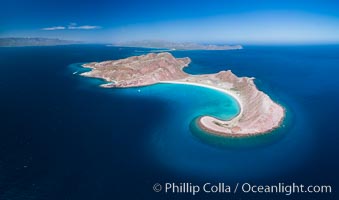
x=259, y=114
x=162, y=44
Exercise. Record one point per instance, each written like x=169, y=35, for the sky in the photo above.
x=202, y=21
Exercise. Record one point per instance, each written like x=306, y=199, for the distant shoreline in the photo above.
x=35, y=42
x=176, y=46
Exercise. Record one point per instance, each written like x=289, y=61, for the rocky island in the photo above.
x=258, y=114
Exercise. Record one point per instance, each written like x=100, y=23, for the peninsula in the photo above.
x=258, y=113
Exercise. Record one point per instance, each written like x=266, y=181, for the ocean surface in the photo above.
x=64, y=137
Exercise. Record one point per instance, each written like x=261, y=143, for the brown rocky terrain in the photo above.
x=139, y=70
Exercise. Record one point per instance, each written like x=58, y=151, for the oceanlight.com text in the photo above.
x=279, y=188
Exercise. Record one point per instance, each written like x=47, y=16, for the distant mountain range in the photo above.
x=176, y=46
x=18, y=42
x=36, y=41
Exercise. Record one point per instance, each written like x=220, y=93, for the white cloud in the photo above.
x=54, y=28
x=71, y=26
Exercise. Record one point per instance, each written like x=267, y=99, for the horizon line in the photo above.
x=247, y=43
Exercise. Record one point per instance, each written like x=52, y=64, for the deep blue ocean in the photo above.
x=64, y=137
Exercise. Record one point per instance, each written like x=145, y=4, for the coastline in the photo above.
x=258, y=113
x=237, y=135
x=205, y=124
